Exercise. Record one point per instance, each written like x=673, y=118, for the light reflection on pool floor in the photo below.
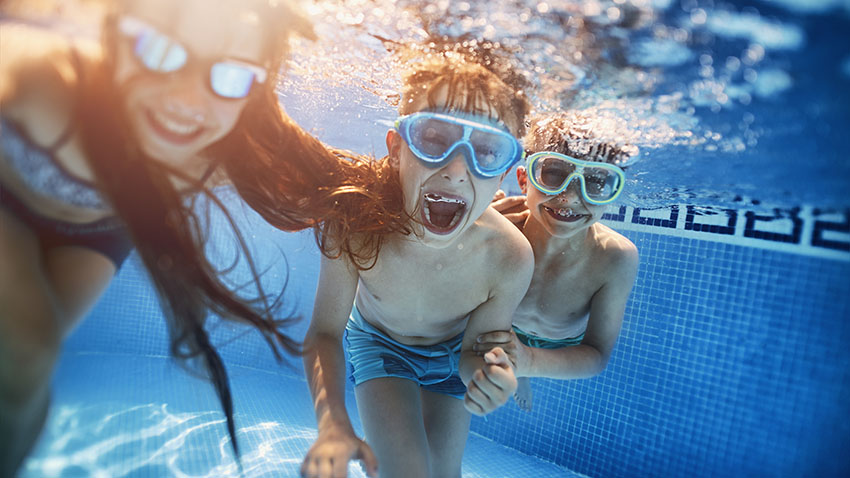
x=124, y=416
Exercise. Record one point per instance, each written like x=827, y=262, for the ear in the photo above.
x=522, y=178
x=394, y=143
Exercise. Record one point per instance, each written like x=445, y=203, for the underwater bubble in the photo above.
x=772, y=82
x=665, y=52
x=752, y=27
x=810, y=6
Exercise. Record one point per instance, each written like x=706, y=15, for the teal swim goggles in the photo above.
x=158, y=52
x=434, y=138
x=551, y=173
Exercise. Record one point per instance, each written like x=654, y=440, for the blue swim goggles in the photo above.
x=160, y=53
x=551, y=173
x=434, y=138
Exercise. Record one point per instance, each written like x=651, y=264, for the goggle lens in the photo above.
x=231, y=81
x=601, y=185
x=158, y=52
x=433, y=137
x=552, y=172
x=493, y=151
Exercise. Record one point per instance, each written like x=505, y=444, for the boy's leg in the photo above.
x=447, y=427
x=391, y=413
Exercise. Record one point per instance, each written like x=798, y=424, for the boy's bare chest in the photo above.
x=558, y=299
x=443, y=287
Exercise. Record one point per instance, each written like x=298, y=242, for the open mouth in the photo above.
x=172, y=129
x=442, y=213
x=564, y=214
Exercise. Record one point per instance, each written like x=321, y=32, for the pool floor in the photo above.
x=129, y=416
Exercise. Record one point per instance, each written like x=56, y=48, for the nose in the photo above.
x=188, y=93
x=456, y=170
x=572, y=194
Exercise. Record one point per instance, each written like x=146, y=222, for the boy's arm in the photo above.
x=607, y=308
x=490, y=378
x=324, y=365
x=514, y=208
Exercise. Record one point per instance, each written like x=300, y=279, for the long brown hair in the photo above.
x=294, y=182
x=289, y=177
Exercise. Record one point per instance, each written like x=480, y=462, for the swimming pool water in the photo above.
x=120, y=415
x=733, y=359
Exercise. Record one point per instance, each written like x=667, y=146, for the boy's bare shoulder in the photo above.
x=616, y=249
x=508, y=247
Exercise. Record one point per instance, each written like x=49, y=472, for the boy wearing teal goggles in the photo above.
x=461, y=272
x=568, y=322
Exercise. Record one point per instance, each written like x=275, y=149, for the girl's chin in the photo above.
x=169, y=154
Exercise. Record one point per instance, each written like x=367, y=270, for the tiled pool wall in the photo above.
x=733, y=359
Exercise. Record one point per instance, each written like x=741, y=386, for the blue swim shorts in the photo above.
x=373, y=354
x=544, y=343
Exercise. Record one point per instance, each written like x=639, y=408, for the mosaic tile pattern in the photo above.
x=732, y=361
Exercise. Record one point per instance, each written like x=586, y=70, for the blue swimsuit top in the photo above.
x=42, y=173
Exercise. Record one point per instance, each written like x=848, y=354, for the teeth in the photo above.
x=564, y=212
x=437, y=197
x=176, y=127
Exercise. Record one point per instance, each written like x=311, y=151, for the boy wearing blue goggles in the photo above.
x=461, y=271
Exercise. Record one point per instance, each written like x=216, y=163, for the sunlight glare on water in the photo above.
x=95, y=441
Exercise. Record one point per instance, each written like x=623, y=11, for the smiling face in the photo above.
x=562, y=215
x=176, y=115
x=446, y=200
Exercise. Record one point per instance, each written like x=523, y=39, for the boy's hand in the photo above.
x=491, y=385
x=330, y=454
x=514, y=208
x=518, y=353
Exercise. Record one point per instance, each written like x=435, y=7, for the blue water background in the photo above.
x=733, y=359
